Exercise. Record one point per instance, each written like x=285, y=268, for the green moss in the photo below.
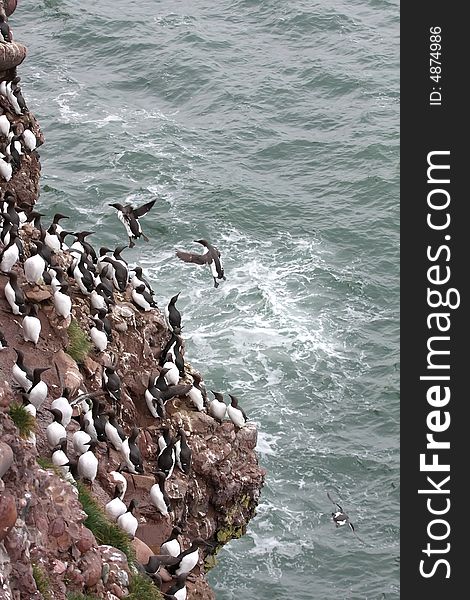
x=44, y=463
x=80, y=596
x=142, y=588
x=42, y=582
x=229, y=533
x=103, y=529
x=79, y=344
x=23, y=419
x=210, y=562
x=245, y=501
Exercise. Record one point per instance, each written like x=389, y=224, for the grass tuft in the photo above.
x=103, y=529
x=44, y=463
x=142, y=588
x=79, y=344
x=42, y=581
x=80, y=596
x=23, y=419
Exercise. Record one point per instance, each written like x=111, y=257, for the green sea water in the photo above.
x=271, y=128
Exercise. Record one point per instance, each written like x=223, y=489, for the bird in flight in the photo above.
x=340, y=518
x=210, y=257
x=130, y=218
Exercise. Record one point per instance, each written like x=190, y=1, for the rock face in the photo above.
x=43, y=539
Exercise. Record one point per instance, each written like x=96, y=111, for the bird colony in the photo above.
x=37, y=257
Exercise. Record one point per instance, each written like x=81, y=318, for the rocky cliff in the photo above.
x=50, y=546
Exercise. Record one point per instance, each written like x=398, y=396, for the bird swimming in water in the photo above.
x=340, y=518
x=210, y=257
x=130, y=218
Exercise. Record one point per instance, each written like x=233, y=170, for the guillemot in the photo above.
x=236, y=413
x=210, y=257
x=158, y=496
x=131, y=453
x=340, y=518
x=130, y=216
x=171, y=545
x=127, y=521
x=173, y=315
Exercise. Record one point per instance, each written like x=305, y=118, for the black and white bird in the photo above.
x=130, y=216
x=101, y=298
x=83, y=276
x=31, y=324
x=29, y=139
x=178, y=590
x=98, y=334
x=11, y=253
x=81, y=245
x=142, y=299
x=14, y=294
x=99, y=418
x=171, y=545
x=198, y=394
x=3, y=341
x=218, y=408
x=172, y=374
x=103, y=316
x=63, y=405
x=164, y=438
x=131, y=453
x=158, y=496
x=5, y=29
x=115, y=507
x=112, y=385
x=34, y=265
x=6, y=168
x=340, y=518
x=183, y=452
x=188, y=559
x=210, y=257
x=120, y=273
x=104, y=268
x=61, y=460
x=166, y=459
x=55, y=431
x=38, y=391
x=173, y=315
x=138, y=279
x=51, y=236
x=4, y=124
x=236, y=413
x=127, y=521
x=87, y=465
x=81, y=439
x=62, y=301
x=22, y=374
x=156, y=398
x=120, y=481
x=114, y=432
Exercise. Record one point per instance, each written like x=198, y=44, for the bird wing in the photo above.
x=176, y=390
x=354, y=531
x=335, y=503
x=192, y=257
x=140, y=212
